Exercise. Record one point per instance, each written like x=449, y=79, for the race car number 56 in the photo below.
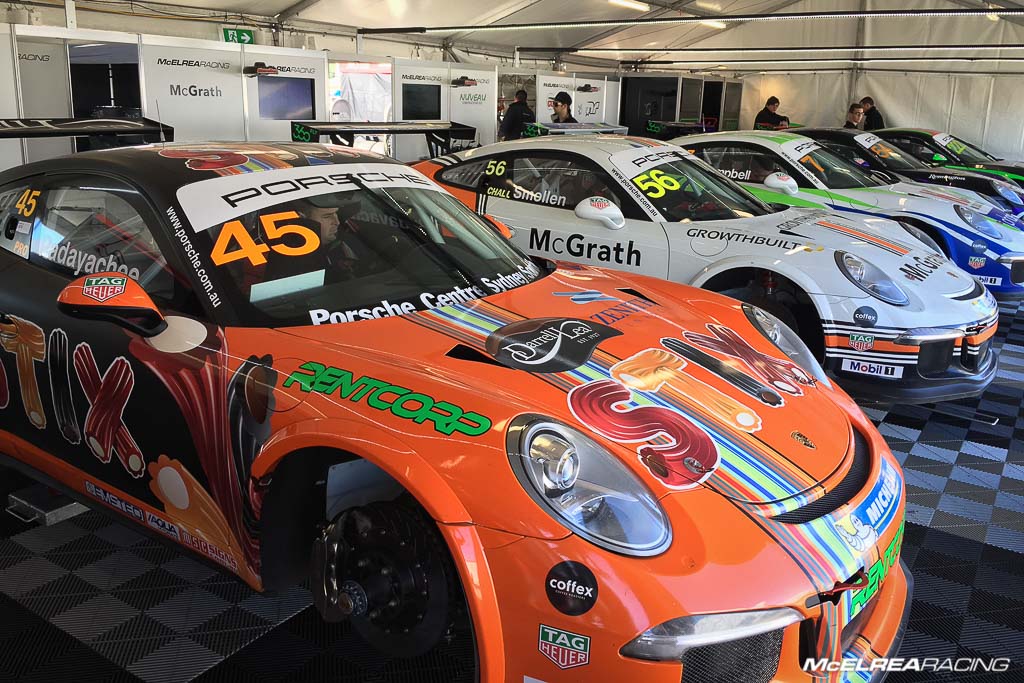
x=655, y=183
x=248, y=248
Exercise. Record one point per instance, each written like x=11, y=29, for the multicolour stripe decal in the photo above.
x=888, y=245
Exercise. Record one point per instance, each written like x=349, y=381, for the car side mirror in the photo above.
x=602, y=210
x=782, y=183
x=112, y=297
x=939, y=157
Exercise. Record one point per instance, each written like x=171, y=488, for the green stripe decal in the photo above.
x=770, y=196
x=992, y=171
x=835, y=196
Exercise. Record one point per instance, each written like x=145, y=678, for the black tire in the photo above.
x=388, y=564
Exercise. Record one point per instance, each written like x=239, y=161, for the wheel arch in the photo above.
x=293, y=464
x=725, y=276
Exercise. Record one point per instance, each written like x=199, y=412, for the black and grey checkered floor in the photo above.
x=90, y=599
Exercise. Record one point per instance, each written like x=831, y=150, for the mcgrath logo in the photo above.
x=547, y=344
x=104, y=287
x=571, y=588
x=565, y=648
x=587, y=297
x=862, y=342
x=977, y=262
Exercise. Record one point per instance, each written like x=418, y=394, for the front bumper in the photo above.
x=721, y=560
x=926, y=367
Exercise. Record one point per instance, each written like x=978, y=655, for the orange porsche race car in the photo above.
x=304, y=361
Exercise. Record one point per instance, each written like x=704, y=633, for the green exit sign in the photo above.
x=238, y=35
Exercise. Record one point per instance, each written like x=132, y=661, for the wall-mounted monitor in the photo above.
x=421, y=102
x=287, y=99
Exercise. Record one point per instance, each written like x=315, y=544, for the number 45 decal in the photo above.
x=26, y=205
x=248, y=248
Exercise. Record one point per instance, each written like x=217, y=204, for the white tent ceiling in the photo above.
x=403, y=13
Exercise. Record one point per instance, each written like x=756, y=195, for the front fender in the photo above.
x=383, y=449
x=798, y=277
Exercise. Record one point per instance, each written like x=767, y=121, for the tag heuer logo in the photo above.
x=565, y=648
x=862, y=342
x=976, y=262
x=801, y=439
x=104, y=287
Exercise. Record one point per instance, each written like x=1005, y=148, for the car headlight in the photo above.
x=979, y=222
x=923, y=237
x=585, y=488
x=871, y=279
x=786, y=340
x=670, y=641
x=1008, y=192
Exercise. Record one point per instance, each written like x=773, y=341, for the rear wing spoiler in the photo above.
x=153, y=131
x=439, y=134
x=533, y=130
x=666, y=130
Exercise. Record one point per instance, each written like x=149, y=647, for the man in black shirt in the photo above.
x=518, y=115
x=872, y=117
x=562, y=104
x=768, y=119
x=854, y=115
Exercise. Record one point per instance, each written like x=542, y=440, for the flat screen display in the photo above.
x=421, y=102
x=286, y=98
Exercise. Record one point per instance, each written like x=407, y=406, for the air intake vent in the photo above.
x=846, y=489
x=463, y=352
x=754, y=659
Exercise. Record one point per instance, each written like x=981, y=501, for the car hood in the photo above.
x=881, y=241
x=674, y=381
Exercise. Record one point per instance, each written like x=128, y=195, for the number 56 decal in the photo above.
x=248, y=248
x=655, y=183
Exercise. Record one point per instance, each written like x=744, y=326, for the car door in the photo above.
x=535, y=193
x=88, y=401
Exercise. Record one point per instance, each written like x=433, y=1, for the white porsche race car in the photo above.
x=892, y=320
x=983, y=239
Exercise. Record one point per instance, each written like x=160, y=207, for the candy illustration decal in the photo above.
x=782, y=374
x=688, y=459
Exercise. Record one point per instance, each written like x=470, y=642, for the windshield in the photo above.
x=894, y=158
x=688, y=190
x=966, y=152
x=836, y=173
x=352, y=253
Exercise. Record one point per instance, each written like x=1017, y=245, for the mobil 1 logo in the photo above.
x=571, y=588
